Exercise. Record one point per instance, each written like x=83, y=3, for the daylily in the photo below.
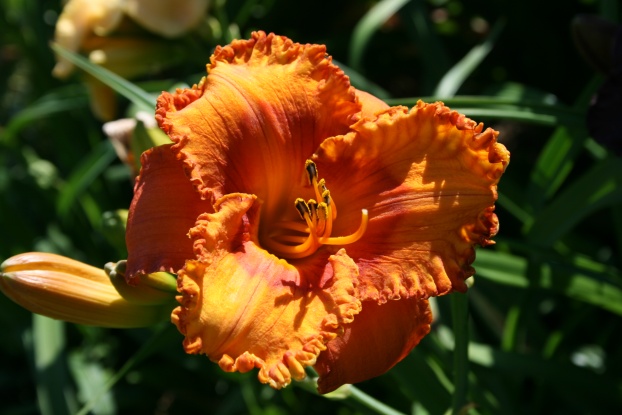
x=307, y=221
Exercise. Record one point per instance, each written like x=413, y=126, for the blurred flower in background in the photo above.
x=119, y=35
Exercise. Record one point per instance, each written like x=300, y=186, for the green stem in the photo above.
x=460, y=317
x=361, y=397
x=348, y=393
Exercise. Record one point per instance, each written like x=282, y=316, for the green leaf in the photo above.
x=554, y=164
x=460, y=319
x=433, y=57
x=145, y=350
x=570, y=382
x=455, y=77
x=58, y=101
x=575, y=280
x=426, y=388
x=136, y=95
x=54, y=393
x=598, y=188
x=90, y=378
x=513, y=108
x=84, y=175
x=368, y=25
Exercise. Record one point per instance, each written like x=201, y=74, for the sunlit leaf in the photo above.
x=571, y=280
x=136, y=95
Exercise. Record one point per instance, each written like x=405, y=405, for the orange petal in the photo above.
x=429, y=180
x=370, y=104
x=246, y=309
x=164, y=208
x=379, y=337
x=265, y=106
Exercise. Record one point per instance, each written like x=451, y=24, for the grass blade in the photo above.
x=554, y=164
x=368, y=25
x=145, y=349
x=598, y=188
x=143, y=100
x=516, y=109
x=433, y=57
x=83, y=176
x=455, y=77
x=572, y=280
x=460, y=318
x=54, y=394
x=64, y=99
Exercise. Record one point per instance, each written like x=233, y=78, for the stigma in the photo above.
x=299, y=239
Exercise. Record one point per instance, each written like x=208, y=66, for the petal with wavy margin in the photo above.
x=246, y=309
x=429, y=180
x=378, y=338
x=263, y=109
x=165, y=206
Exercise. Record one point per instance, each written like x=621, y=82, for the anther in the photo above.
x=302, y=208
x=311, y=171
x=292, y=239
x=305, y=213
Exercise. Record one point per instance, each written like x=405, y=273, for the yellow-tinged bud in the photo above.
x=66, y=289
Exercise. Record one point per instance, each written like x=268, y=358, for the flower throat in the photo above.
x=294, y=239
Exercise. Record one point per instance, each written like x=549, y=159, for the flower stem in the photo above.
x=460, y=317
x=348, y=393
x=371, y=403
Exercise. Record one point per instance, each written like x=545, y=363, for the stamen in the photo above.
x=322, y=218
x=325, y=196
x=291, y=239
x=312, y=204
x=345, y=240
x=291, y=225
x=305, y=213
x=308, y=247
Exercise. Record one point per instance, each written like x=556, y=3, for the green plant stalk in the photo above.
x=460, y=318
x=346, y=393
x=361, y=397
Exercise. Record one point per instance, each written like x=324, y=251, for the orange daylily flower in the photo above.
x=307, y=221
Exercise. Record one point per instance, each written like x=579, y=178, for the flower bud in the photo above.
x=66, y=289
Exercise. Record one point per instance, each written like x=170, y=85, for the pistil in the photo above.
x=293, y=239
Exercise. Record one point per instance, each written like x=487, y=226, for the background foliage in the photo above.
x=539, y=331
